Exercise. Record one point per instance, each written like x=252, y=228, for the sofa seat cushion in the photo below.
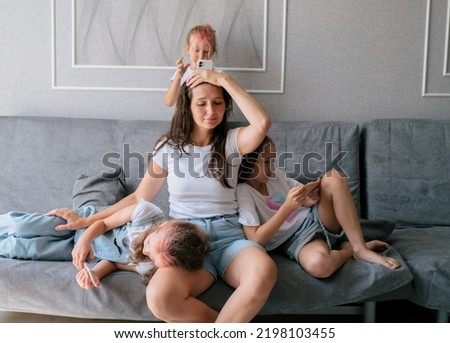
x=121, y=295
x=355, y=282
x=426, y=252
x=54, y=291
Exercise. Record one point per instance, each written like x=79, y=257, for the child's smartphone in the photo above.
x=205, y=64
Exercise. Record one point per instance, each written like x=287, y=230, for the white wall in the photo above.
x=348, y=60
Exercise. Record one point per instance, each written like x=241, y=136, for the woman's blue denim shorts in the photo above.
x=227, y=239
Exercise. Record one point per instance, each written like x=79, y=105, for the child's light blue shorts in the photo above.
x=227, y=239
x=114, y=245
x=311, y=226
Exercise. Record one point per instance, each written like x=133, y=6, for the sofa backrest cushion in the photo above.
x=406, y=171
x=307, y=149
x=43, y=156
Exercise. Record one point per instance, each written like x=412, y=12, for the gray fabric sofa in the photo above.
x=399, y=174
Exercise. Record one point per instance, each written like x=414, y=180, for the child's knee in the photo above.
x=318, y=265
x=334, y=178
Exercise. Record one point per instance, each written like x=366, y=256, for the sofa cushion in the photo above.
x=122, y=294
x=355, y=282
x=307, y=149
x=426, y=252
x=100, y=190
x=60, y=149
x=405, y=173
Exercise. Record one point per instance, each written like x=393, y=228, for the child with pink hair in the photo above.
x=200, y=44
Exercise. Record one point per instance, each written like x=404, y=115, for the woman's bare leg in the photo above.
x=171, y=295
x=253, y=273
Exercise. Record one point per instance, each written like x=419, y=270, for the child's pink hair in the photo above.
x=204, y=32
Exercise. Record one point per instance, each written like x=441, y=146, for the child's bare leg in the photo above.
x=337, y=210
x=319, y=261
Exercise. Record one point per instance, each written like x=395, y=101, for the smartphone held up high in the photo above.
x=205, y=64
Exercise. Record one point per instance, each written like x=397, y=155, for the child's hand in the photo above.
x=181, y=67
x=84, y=280
x=296, y=197
x=82, y=250
x=309, y=202
x=313, y=197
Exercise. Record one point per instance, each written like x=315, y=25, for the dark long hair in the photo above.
x=249, y=160
x=182, y=126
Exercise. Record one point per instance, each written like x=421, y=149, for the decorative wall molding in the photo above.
x=428, y=68
x=68, y=73
x=447, y=38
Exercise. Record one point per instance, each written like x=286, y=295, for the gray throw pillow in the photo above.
x=100, y=190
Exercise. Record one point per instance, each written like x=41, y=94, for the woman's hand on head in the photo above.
x=200, y=76
x=74, y=221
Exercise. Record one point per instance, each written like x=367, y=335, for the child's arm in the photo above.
x=99, y=271
x=126, y=267
x=263, y=233
x=170, y=99
x=83, y=247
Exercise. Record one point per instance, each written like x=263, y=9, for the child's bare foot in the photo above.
x=371, y=256
x=85, y=281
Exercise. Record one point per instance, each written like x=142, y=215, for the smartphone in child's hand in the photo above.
x=205, y=65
